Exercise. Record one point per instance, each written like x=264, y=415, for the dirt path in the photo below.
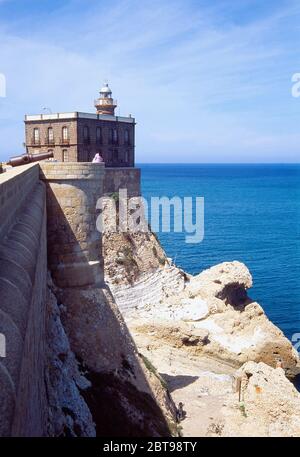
x=203, y=385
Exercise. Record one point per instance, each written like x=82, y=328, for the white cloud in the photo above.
x=194, y=80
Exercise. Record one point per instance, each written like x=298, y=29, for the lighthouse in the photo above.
x=105, y=104
x=77, y=136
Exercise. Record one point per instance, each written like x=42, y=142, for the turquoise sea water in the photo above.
x=252, y=214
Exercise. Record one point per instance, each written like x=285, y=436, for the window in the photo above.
x=86, y=132
x=116, y=155
x=65, y=134
x=65, y=155
x=98, y=135
x=36, y=136
x=126, y=156
x=115, y=136
x=50, y=136
x=126, y=136
x=86, y=135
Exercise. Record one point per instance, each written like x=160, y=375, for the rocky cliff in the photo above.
x=123, y=334
x=198, y=331
x=97, y=382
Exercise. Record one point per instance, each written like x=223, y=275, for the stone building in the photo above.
x=77, y=137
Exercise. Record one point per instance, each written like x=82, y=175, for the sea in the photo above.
x=251, y=214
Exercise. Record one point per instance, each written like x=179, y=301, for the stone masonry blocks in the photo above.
x=23, y=269
x=74, y=244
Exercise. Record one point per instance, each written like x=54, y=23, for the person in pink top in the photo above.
x=97, y=158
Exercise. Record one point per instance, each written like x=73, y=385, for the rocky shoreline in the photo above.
x=122, y=357
x=204, y=334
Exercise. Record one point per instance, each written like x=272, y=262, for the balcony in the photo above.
x=49, y=141
x=64, y=141
x=113, y=141
x=105, y=102
x=35, y=141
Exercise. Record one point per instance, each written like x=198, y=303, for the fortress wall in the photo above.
x=74, y=244
x=15, y=186
x=123, y=178
x=46, y=206
x=120, y=395
x=23, y=270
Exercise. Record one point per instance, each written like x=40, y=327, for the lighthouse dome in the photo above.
x=105, y=89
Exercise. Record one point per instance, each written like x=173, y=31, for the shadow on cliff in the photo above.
x=236, y=296
x=107, y=398
x=120, y=395
x=177, y=382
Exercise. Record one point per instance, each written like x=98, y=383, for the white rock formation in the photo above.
x=270, y=404
x=215, y=301
x=197, y=333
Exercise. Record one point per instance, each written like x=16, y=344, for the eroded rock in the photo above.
x=68, y=413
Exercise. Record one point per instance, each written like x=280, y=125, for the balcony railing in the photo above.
x=114, y=142
x=87, y=140
x=49, y=141
x=35, y=141
x=64, y=141
x=105, y=102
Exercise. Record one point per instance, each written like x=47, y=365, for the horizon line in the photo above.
x=217, y=163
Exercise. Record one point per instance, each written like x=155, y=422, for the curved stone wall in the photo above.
x=23, y=269
x=42, y=205
x=74, y=243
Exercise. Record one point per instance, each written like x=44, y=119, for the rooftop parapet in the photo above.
x=77, y=115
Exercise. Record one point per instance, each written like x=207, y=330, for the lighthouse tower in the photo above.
x=105, y=104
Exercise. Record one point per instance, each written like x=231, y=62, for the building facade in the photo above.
x=77, y=137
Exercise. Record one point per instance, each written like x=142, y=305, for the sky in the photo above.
x=208, y=81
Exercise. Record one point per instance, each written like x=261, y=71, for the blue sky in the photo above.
x=208, y=81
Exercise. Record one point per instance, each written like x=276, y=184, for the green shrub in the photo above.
x=161, y=260
x=243, y=409
x=115, y=196
x=150, y=367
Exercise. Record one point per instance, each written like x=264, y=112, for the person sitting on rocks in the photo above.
x=180, y=413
